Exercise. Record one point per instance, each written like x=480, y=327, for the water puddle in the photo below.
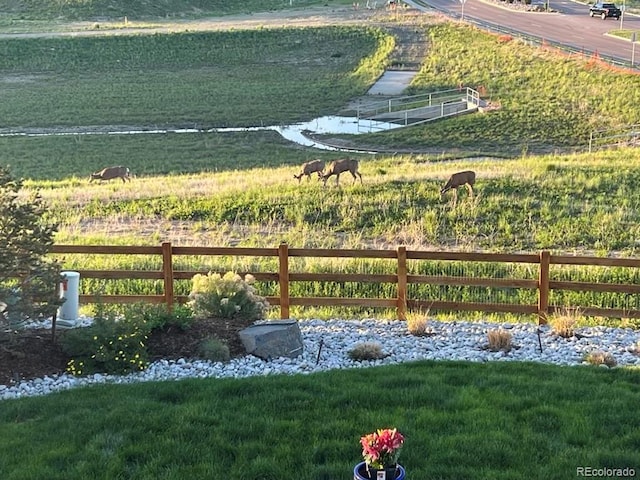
x=297, y=133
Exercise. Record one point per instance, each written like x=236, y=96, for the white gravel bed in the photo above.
x=463, y=341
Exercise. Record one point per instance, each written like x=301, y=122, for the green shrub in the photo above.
x=227, y=296
x=110, y=345
x=159, y=316
x=214, y=350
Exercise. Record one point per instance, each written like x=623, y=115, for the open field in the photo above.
x=490, y=421
x=237, y=188
x=217, y=181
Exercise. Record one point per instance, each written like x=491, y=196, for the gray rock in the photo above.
x=280, y=338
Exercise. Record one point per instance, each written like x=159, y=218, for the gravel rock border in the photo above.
x=327, y=344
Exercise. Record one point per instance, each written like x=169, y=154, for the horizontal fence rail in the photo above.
x=431, y=280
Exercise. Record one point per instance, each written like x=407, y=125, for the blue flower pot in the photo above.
x=360, y=472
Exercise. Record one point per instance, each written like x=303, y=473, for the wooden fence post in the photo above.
x=167, y=272
x=283, y=279
x=543, y=287
x=402, y=283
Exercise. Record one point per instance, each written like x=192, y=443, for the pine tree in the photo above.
x=29, y=281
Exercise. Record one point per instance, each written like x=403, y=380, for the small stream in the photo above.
x=294, y=133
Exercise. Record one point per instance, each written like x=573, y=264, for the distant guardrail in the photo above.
x=534, y=40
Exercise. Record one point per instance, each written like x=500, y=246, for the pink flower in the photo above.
x=382, y=448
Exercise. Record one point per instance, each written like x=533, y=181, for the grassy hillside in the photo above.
x=546, y=100
x=561, y=203
x=140, y=9
x=237, y=188
x=265, y=77
x=244, y=77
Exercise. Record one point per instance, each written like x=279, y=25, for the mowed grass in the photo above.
x=492, y=421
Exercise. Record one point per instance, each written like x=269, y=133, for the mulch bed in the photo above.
x=29, y=354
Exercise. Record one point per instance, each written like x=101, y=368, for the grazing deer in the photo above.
x=110, y=173
x=467, y=178
x=339, y=166
x=310, y=167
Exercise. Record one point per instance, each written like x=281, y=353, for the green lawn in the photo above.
x=461, y=421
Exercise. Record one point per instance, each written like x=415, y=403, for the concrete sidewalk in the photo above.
x=392, y=82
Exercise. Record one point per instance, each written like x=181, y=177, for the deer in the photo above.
x=467, y=178
x=310, y=167
x=340, y=166
x=110, y=173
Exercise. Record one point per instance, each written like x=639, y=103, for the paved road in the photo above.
x=569, y=24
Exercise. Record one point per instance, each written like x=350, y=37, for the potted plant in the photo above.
x=380, y=451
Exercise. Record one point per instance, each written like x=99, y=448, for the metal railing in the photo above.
x=534, y=40
x=615, y=137
x=414, y=109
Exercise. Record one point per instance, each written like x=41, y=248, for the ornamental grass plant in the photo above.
x=226, y=296
x=564, y=322
x=366, y=351
x=499, y=340
x=214, y=350
x=418, y=323
x=601, y=358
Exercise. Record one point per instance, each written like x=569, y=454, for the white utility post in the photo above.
x=622, y=14
x=462, y=15
x=633, y=48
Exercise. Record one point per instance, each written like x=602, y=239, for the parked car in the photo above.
x=604, y=10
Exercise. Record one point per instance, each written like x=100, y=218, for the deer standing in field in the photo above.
x=310, y=167
x=340, y=166
x=110, y=173
x=466, y=178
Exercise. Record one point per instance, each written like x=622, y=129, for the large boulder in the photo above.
x=278, y=338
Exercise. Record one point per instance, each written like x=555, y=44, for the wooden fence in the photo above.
x=540, y=281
